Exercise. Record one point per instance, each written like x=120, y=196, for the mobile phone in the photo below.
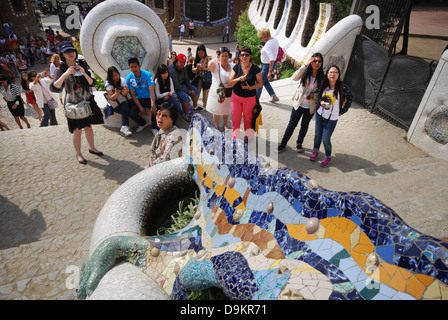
x=244, y=83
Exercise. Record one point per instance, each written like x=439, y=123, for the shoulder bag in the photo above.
x=221, y=91
x=52, y=104
x=79, y=110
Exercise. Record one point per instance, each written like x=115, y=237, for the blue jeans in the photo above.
x=184, y=97
x=128, y=109
x=174, y=101
x=324, y=130
x=266, y=83
x=293, y=121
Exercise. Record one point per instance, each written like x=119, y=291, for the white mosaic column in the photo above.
x=429, y=129
x=116, y=30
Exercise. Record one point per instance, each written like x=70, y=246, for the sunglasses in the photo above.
x=317, y=61
x=245, y=55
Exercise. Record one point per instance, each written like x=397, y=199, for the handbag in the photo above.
x=207, y=77
x=52, y=104
x=115, y=103
x=79, y=110
x=222, y=91
x=256, y=112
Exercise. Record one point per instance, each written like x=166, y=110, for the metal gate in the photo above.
x=388, y=83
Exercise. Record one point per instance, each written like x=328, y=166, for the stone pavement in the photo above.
x=49, y=202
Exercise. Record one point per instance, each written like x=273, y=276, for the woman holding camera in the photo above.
x=310, y=75
x=245, y=79
x=334, y=100
x=200, y=67
x=77, y=82
x=40, y=86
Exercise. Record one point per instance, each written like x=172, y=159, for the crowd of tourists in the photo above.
x=231, y=87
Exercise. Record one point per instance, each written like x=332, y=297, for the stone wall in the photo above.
x=19, y=21
x=172, y=25
x=429, y=129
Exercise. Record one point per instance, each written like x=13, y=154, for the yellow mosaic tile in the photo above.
x=415, y=287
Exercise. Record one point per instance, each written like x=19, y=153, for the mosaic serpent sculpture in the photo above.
x=271, y=233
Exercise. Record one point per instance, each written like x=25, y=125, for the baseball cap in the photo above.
x=65, y=46
x=181, y=57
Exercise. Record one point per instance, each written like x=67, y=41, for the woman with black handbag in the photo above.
x=203, y=78
x=218, y=102
x=73, y=76
x=245, y=79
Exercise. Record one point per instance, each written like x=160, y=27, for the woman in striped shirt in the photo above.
x=11, y=94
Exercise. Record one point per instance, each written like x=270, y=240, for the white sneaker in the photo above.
x=154, y=131
x=126, y=131
x=140, y=128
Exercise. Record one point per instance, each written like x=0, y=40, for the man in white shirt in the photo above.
x=269, y=54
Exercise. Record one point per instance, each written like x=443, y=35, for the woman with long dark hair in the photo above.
x=334, y=100
x=164, y=88
x=121, y=101
x=310, y=75
x=25, y=82
x=200, y=68
x=73, y=76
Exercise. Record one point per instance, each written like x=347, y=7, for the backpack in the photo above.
x=281, y=56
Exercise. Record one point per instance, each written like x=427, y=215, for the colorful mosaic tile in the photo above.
x=125, y=48
x=267, y=233
x=436, y=125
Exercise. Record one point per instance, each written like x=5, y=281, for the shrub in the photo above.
x=99, y=83
x=246, y=35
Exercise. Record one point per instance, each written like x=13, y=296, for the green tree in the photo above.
x=246, y=35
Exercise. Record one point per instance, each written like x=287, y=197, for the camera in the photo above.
x=119, y=88
x=78, y=72
x=326, y=101
x=244, y=83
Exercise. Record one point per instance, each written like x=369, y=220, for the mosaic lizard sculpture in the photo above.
x=271, y=233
